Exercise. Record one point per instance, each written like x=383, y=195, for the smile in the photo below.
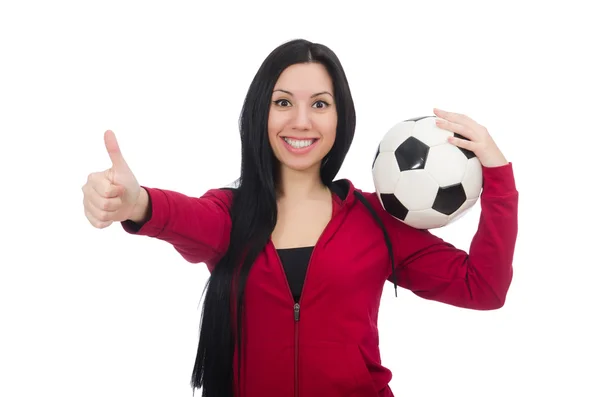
x=299, y=146
x=299, y=143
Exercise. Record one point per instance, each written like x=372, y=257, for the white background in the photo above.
x=87, y=312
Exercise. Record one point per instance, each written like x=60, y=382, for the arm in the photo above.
x=434, y=269
x=198, y=228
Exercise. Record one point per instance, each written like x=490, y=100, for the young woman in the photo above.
x=298, y=261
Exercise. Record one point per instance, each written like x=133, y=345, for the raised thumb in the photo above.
x=114, y=152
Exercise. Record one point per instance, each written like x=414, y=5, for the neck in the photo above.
x=300, y=184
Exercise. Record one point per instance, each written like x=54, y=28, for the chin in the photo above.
x=301, y=166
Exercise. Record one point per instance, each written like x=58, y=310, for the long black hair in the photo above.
x=253, y=210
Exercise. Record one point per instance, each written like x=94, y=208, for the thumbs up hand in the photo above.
x=111, y=195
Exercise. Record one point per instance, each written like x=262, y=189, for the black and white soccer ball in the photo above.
x=422, y=179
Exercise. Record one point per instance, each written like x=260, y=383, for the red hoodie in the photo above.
x=328, y=345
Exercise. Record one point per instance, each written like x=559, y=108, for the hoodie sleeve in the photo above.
x=478, y=279
x=197, y=227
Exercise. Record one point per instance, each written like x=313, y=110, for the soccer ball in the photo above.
x=423, y=180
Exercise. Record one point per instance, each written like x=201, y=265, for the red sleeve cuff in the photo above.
x=499, y=181
x=159, y=215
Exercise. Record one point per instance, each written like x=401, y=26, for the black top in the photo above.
x=295, y=263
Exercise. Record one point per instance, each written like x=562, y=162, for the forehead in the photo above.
x=305, y=79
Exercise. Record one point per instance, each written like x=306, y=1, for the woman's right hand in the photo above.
x=114, y=195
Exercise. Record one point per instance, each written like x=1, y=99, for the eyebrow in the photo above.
x=312, y=96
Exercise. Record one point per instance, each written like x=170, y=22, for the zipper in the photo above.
x=297, y=304
x=297, y=314
x=296, y=348
x=296, y=310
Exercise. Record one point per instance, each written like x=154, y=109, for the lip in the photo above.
x=299, y=150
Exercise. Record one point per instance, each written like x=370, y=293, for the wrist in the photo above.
x=140, y=212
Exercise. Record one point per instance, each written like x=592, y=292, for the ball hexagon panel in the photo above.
x=425, y=219
x=386, y=172
x=416, y=190
x=411, y=154
x=473, y=178
x=390, y=202
x=446, y=164
x=449, y=199
x=395, y=136
x=427, y=132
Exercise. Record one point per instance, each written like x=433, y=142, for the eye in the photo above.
x=322, y=104
x=282, y=102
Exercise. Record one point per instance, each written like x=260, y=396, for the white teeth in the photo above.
x=298, y=144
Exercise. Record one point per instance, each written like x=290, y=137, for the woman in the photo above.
x=297, y=262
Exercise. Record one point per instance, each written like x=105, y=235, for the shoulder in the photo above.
x=222, y=196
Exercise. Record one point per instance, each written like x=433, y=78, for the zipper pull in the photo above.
x=297, y=311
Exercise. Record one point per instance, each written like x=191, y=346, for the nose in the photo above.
x=301, y=119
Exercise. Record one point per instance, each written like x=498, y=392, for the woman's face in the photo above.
x=302, y=117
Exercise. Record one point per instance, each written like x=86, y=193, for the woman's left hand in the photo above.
x=478, y=139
